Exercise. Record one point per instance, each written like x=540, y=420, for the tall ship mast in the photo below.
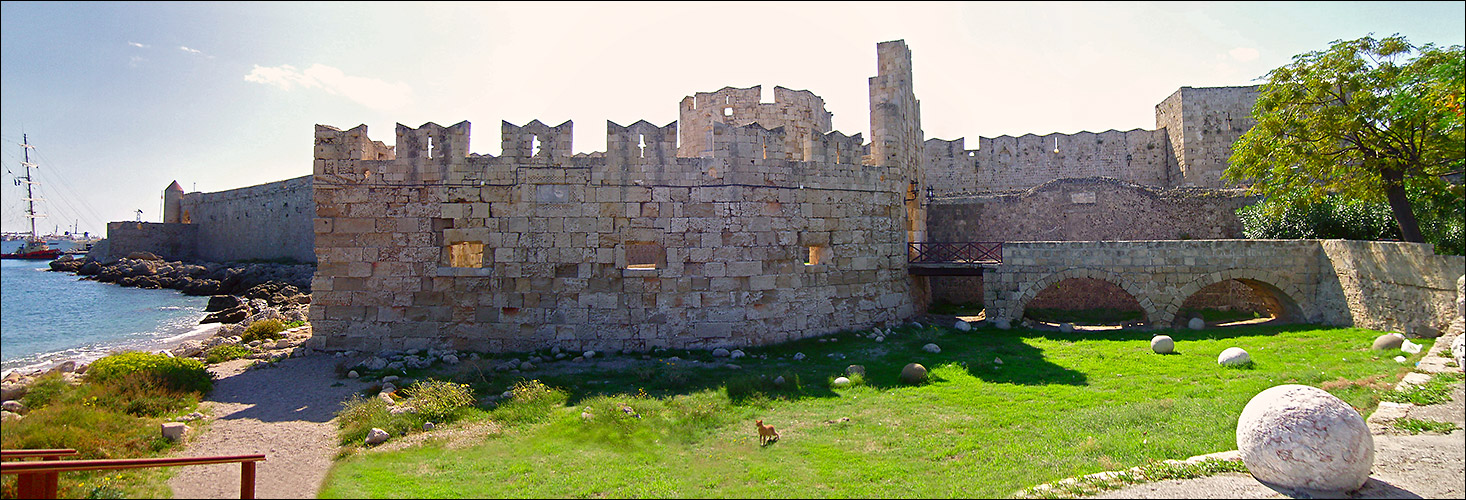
x=34, y=247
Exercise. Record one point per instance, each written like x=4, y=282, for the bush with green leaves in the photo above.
x=225, y=352
x=179, y=374
x=1332, y=218
x=266, y=329
x=437, y=400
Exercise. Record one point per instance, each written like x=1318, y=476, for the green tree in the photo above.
x=1362, y=120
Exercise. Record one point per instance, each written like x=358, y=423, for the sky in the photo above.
x=121, y=99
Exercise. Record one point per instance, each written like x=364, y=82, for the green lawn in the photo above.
x=1059, y=405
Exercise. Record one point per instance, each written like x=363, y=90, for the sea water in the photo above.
x=47, y=317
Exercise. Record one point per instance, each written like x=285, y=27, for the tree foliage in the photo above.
x=1362, y=120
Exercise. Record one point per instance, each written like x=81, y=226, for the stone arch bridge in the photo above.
x=1383, y=285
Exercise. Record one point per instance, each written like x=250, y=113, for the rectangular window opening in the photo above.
x=817, y=255
x=644, y=255
x=465, y=254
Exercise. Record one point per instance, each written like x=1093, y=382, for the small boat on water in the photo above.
x=34, y=247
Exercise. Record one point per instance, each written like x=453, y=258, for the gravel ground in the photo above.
x=286, y=412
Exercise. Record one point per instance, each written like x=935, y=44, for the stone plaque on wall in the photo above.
x=552, y=193
x=1085, y=198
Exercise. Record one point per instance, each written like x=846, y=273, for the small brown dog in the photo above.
x=766, y=433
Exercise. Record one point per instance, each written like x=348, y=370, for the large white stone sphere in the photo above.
x=1162, y=344
x=1196, y=324
x=1302, y=437
x=1233, y=356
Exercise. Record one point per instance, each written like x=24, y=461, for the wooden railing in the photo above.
x=39, y=479
x=962, y=252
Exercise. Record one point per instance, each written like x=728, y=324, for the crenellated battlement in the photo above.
x=1195, y=128
x=800, y=112
x=537, y=143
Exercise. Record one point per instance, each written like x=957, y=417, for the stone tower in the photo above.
x=173, y=203
x=895, y=129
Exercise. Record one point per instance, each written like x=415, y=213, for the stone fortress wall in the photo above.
x=764, y=226
x=266, y=221
x=1195, y=129
x=748, y=223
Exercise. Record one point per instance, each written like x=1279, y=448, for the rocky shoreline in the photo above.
x=240, y=294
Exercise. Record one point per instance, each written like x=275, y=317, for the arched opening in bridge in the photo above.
x=1237, y=302
x=1084, y=302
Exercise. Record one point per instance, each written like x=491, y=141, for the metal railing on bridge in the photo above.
x=961, y=252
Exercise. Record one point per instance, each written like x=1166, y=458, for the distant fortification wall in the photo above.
x=172, y=241
x=266, y=221
x=1195, y=129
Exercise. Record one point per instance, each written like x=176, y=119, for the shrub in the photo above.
x=294, y=324
x=436, y=400
x=267, y=329
x=530, y=402
x=225, y=352
x=44, y=391
x=180, y=374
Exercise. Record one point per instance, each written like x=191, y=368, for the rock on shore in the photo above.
x=202, y=278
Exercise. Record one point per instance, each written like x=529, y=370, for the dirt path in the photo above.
x=285, y=412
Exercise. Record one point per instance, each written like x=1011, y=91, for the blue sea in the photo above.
x=48, y=317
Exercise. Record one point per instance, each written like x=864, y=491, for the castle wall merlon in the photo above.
x=536, y=142
x=640, y=143
x=433, y=143
x=336, y=144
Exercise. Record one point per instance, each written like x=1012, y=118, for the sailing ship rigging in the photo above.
x=34, y=246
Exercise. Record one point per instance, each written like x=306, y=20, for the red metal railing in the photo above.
x=962, y=252
x=39, y=479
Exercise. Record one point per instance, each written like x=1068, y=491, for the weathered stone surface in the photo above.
x=963, y=326
x=855, y=370
x=1162, y=344
x=1388, y=341
x=1002, y=323
x=12, y=390
x=377, y=436
x=841, y=382
x=12, y=406
x=1303, y=438
x=1458, y=350
x=1233, y=356
x=931, y=348
x=1066, y=327
x=174, y=431
x=1196, y=323
x=720, y=353
x=913, y=373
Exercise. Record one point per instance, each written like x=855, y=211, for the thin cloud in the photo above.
x=188, y=50
x=139, y=45
x=1244, y=54
x=369, y=92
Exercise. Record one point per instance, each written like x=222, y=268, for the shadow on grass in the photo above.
x=682, y=372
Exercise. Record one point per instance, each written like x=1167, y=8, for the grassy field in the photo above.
x=1058, y=405
x=113, y=412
